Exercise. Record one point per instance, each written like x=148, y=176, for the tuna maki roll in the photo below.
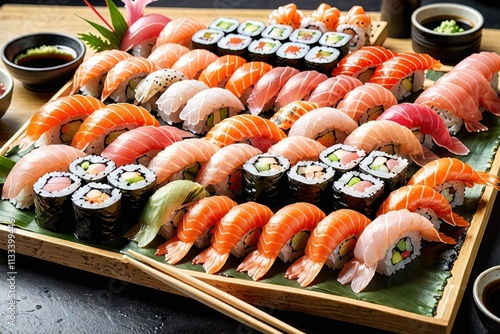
x=322, y=59
x=234, y=44
x=358, y=191
x=251, y=28
x=342, y=158
x=96, y=209
x=52, y=201
x=263, y=49
x=207, y=39
x=92, y=168
x=264, y=179
x=136, y=183
x=225, y=24
x=337, y=40
x=292, y=54
x=279, y=32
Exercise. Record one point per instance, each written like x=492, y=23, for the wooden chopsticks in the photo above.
x=209, y=295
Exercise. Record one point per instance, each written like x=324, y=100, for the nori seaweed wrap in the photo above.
x=264, y=179
x=311, y=181
x=92, y=168
x=358, y=191
x=53, y=210
x=97, y=212
x=136, y=183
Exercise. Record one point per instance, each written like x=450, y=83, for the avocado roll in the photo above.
x=310, y=37
x=264, y=178
x=225, y=24
x=52, y=201
x=337, y=40
x=92, y=168
x=263, y=49
x=97, y=212
x=322, y=59
x=279, y=32
x=207, y=39
x=251, y=28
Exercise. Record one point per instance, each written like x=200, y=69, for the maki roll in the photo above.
x=225, y=24
x=392, y=169
x=264, y=178
x=207, y=39
x=92, y=168
x=306, y=36
x=52, y=201
x=97, y=212
x=292, y=54
x=251, y=28
x=358, y=191
x=342, y=158
x=322, y=59
x=279, y=32
x=264, y=49
x=337, y=40
x=234, y=44
x=310, y=181
x=136, y=183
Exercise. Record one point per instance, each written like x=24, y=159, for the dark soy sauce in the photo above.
x=491, y=297
x=435, y=21
x=54, y=56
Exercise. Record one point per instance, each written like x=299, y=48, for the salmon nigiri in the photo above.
x=485, y=62
x=332, y=242
x=89, y=76
x=297, y=148
x=329, y=92
x=236, y=233
x=282, y=237
x=105, y=124
x=265, y=91
x=217, y=73
x=18, y=187
x=193, y=62
x=245, y=77
x=299, y=87
x=167, y=54
x=195, y=226
x=124, y=74
x=180, y=31
x=386, y=245
x=57, y=120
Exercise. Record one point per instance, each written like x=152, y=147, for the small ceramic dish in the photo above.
x=486, y=294
x=6, y=89
x=447, y=47
x=45, y=61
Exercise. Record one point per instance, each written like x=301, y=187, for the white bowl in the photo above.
x=6, y=97
x=489, y=320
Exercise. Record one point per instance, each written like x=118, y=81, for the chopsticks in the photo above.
x=209, y=295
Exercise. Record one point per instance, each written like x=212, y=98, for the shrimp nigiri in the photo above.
x=331, y=242
x=217, y=73
x=245, y=77
x=193, y=62
x=282, y=237
x=421, y=199
x=236, y=233
x=18, y=187
x=194, y=228
x=180, y=31
x=394, y=232
x=167, y=54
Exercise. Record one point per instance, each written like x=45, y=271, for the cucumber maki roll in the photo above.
x=251, y=28
x=264, y=178
x=279, y=32
x=311, y=181
x=96, y=209
x=52, y=201
x=225, y=24
x=392, y=169
x=337, y=40
x=92, y=168
x=358, y=191
x=322, y=59
x=310, y=37
x=264, y=49
x=136, y=183
x=342, y=158
x=207, y=39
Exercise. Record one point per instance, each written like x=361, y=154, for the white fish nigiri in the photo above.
x=150, y=88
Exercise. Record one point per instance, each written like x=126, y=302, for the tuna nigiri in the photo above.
x=421, y=118
x=18, y=186
x=332, y=242
x=265, y=91
x=193, y=62
x=245, y=77
x=217, y=73
x=297, y=148
x=281, y=237
x=57, y=120
x=299, y=87
x=260, y=131
x=326, y=125
x=105, y=124
x=167, y=54
x=121, y=80
x=365, y=103
x=142, y=34
x=236, y=233
x=362, y=62
x=377, y=134
x=182, y=159
x=89, y=76
x=291, y=112
x=141, y=144
x=379, y=243
x=179, y=31
x=195, y=226
x=174, y=99
x=329, y=92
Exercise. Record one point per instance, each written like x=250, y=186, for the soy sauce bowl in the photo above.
x=486, y=292
x=44, y=74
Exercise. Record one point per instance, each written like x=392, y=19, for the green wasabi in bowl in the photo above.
x=449, y=27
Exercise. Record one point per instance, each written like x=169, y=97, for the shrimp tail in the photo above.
x=212, y=260
x=304, y=269
x=356, y=273
x=256, y=265
x=459, y=220
x=490, y=179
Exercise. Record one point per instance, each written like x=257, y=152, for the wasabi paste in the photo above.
x=448, y=27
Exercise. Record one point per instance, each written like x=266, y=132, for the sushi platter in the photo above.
x=90, y=251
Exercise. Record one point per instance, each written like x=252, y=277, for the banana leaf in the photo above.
x=417, y=288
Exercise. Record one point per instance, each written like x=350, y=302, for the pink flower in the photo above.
x=135, y=9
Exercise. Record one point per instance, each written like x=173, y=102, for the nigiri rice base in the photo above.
x=412, y=243
x=454, y=191
x=431, y=215
x=412, y=83
x=342, y=253
x=454, y=123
